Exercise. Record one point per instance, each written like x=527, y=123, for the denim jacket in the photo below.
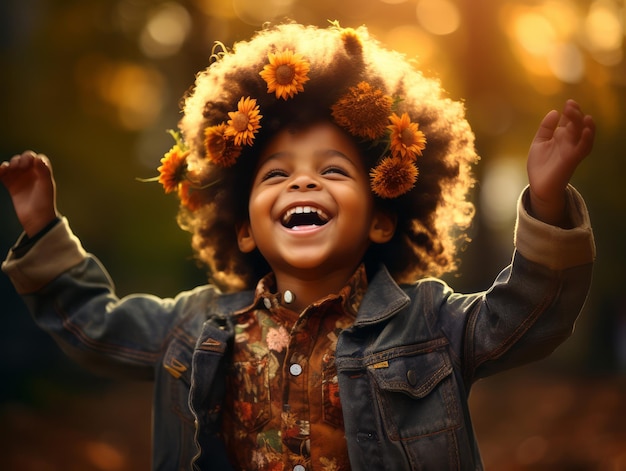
x=405, y=367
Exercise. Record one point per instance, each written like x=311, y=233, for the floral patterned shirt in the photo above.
x=282, y=409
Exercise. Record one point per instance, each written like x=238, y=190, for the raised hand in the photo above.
x=562, y=141
x=30, y=183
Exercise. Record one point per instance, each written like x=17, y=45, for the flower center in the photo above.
x=285, y=74
x=407, y=136
x=240, y=121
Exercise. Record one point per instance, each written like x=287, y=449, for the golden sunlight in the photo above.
x=567, y=62
x=254, y=12
x=166, y=30
x=604, y=32
x=534, y=33
x=438, y=17
x=503, y=180
x=412, y=41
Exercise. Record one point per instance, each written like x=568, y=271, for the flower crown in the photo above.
x=364, y=111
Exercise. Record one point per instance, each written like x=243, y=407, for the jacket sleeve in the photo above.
x=71, y=296
x=533, y=304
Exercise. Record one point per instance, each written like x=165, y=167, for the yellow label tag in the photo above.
x=175, y=368
x=381, y=364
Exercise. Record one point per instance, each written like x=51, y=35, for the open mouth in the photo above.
x=304, y=216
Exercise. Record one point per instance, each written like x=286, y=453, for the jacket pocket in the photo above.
x=177, y=366
x=416, y=390
x=252, y=406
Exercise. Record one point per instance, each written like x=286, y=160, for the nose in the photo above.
x=304, y=182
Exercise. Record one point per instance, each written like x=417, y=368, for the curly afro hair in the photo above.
x=431, y=218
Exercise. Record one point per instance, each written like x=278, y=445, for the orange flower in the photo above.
x=393, y=177
x=286, y=73
x=189, y=197
x=173, y=169
x=406, y=138
x=364, y=111
x=244, y=123
x=220, y=149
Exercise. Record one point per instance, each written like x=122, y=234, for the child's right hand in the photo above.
x=28, y=178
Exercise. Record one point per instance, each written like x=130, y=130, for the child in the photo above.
x=324, y=181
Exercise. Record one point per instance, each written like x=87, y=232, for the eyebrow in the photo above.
x=318, y=153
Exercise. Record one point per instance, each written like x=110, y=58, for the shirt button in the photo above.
x=299, y=467
x=267, y=303
x=295, y=370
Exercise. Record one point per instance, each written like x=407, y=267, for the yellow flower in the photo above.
x=173, y=169
x=406, y=138
x=364, y=111
x=220, y=149
x=286, y=73
x=393, y=177
x=244, y=122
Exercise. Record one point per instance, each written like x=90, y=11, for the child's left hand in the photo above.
x=562, y=141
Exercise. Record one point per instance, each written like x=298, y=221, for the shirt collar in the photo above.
x=350, y=296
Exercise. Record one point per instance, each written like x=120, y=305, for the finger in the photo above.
x=571, y=111
x=576, y=119
x=587, y=136
x=43, y=163
x=44, y=158
x=547, y=126
x=4, y=166
x=23, y=160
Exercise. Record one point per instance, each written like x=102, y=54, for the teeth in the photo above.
x=304, y=210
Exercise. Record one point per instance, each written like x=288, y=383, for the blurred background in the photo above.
x=95, y=84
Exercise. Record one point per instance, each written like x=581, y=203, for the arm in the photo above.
x=71, y=296
x=533, y=305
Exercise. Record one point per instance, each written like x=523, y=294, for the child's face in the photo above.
x=311, y=209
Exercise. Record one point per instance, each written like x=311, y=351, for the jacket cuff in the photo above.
x=56, y=252
x=551, y=246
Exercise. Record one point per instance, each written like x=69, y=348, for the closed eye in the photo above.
x=335, y=170
x=274, y=173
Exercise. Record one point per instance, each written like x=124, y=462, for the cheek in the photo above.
x=260, y=207
x=358, y=200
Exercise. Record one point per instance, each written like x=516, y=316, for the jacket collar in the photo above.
x=383, y=299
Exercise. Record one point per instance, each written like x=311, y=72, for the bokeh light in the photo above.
x=604, y=32
x=553, y=37
x=440, y=17
x=165, y=31
x=412, y=41
x=128, y=93
x=502, y=181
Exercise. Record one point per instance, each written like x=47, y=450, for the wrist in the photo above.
x=35, y=225
x=551, y=211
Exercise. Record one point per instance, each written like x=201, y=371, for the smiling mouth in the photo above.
x=304, y=216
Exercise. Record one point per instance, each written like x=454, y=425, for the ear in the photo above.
x=245, y=239
x=383, y=226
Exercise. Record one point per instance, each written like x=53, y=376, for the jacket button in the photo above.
x=299, y=467
x=411, y=375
